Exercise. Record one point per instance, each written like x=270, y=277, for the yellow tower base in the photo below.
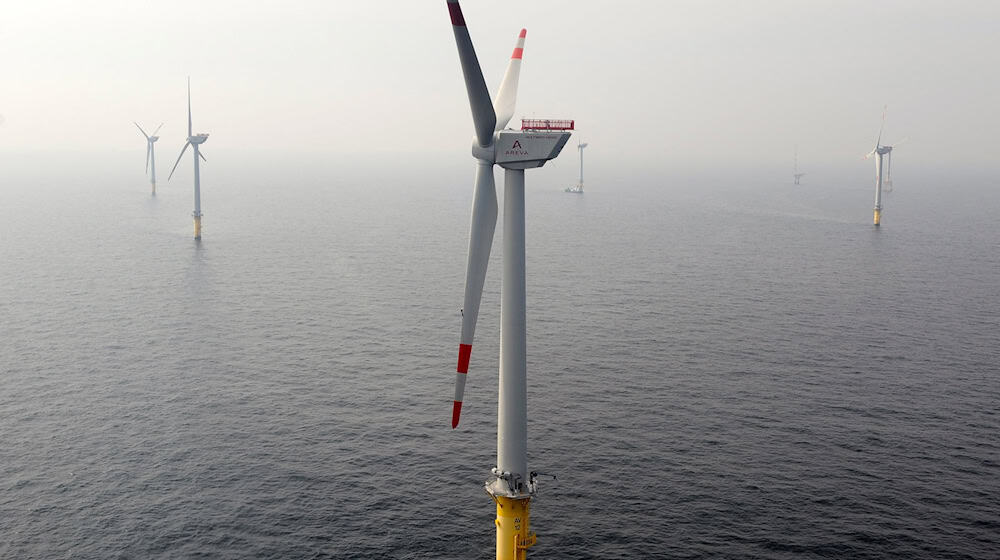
x=154, y=189
x=878, y=216
x=513, y=534
x=197, y=227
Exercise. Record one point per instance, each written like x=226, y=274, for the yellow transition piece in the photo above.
x=513, y=524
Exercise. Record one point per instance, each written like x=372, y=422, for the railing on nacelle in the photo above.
x=546, y=124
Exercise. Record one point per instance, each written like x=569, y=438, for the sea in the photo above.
x=719, y=365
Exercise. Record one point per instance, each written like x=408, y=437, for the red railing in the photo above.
x=546, y=124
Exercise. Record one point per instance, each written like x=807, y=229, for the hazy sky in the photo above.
x=676, y=83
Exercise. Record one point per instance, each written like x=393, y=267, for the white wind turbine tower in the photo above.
x=194, y=140
x=538, y=141
x=150, y=153
x=578, y=188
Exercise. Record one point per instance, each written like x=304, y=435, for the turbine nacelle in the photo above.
x=513, y=149
x=524, y=150
x=153, y=139
x=198, y=138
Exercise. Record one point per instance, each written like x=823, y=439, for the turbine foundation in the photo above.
x=197, y=227
x=154, y=188
x=513, y=528
x=878, y=216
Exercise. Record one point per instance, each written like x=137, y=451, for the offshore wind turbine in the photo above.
x=194, y=140
x=879, y=151
x=578, y=188
x=888, y=171
x=796, y=173
x=150, y=153
x=888, y=166
x=511, y=484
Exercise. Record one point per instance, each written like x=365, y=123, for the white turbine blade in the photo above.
x=202, y=156
x=484, y=118
x=484, y=223
x=901, y=142
x=507, y=94
x=141, y=130
x=149, y=146
x=186, y=144
x=189, y=107
x=157, y=129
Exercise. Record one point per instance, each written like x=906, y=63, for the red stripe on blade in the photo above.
x=517, y=53
x=464, y=351
x=456, y=14
x=455, y=413
x=523, y=33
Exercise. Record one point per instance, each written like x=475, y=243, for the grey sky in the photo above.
x=649, y=82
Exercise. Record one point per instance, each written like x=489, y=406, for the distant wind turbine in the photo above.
x=193, y=140
x=796, y=173
x=150, y=153
x=578, y=188
x=879, y=151
x=888, y=166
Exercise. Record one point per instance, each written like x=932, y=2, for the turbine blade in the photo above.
x=879, y=140
x=157, y=129
x=484, y=222
x=189, y=106
x=186, y=144
x=507, y=94
x=141, y=130
x=202, y=156
x=484, y=118
x=149, y=146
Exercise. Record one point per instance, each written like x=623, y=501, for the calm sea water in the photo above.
x=717, y=368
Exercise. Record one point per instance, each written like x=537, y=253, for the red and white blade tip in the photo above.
x=464, y=353
x=519, y=49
